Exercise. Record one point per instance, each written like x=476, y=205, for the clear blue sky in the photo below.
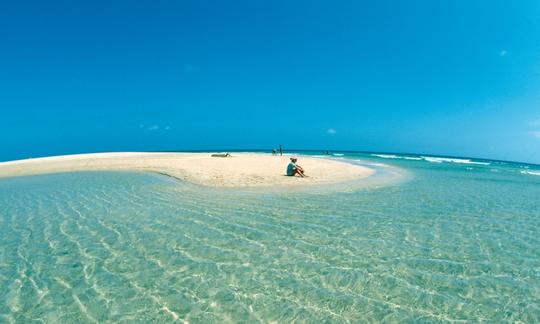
x=439, y=77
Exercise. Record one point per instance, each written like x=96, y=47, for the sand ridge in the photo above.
x=239, y=170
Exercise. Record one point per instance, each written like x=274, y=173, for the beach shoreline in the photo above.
x=238, y=171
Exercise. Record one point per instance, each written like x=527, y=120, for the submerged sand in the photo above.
x=239, y=170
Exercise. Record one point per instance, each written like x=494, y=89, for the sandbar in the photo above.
x=239, y=170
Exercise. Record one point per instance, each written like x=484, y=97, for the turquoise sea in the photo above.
x=427, y=240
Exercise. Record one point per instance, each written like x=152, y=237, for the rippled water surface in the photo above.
x=455, y=241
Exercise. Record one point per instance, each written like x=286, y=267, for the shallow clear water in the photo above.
x=454, y=241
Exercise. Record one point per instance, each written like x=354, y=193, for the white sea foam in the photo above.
x=433, y=159
x=393, y=156
x=337, y=154
x=386, y=156
x=536, y=173
x=412, y=158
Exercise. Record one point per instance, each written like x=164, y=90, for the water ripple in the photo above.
x=122, y=247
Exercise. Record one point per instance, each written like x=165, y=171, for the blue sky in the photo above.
x=438, y=77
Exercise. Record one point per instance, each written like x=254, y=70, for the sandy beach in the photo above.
x=239, y=170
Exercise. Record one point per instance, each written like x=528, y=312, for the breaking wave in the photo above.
x=536, y=173
x=452, y=160
x=431, y=159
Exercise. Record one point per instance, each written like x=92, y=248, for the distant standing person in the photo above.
x=274, y=152
x=294, y=169
x=281, y=150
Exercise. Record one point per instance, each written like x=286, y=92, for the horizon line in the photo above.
x=258, y=150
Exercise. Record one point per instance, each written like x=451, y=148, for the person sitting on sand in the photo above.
x=294, y=169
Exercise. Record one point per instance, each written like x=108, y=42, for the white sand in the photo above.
x=240, y=170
